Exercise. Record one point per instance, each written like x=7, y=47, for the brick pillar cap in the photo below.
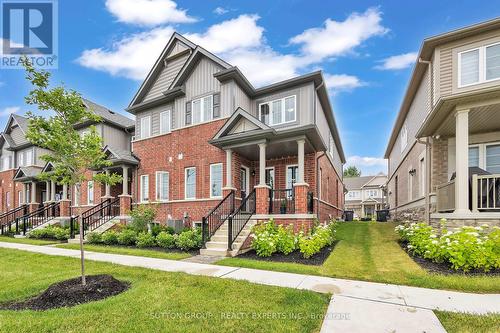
x=124, y=196
x=262, y=186
x=229, y=188
x=301, y=184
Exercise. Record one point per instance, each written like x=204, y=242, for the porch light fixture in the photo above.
x=253, y=172
x=412, y=172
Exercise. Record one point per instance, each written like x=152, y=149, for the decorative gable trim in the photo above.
x=235, y=119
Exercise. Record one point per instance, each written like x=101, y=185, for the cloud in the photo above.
x=398, y=61
x=9, y=110
x=220, y=10
x=241, y=42
x=338, y=38
x=148, y=12
x=338, y=82
x=368, y=165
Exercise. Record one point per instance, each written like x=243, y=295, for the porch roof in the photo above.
x=118, y=156
x=484, y=114
x=27, y=173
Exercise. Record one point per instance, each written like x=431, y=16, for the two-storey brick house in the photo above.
x=444, y=150
x=202, y=131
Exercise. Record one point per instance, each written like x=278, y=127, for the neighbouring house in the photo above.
x=21, y=163
x=209, y=143
x=365, y=195
x=444, y=150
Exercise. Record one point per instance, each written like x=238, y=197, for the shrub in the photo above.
x=322, y=236
x=141, y=216
x=463, y=249
x=170, y=230
x=61, y=233
x=189, y=239
x=110, y=237
x=94, y=238
x=166, y=240
x=145, y=239
x=286, y=241
x=50, y=232
x=127, y=237
x=264, y=238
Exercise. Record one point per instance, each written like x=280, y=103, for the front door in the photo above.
x=244, y=183
x=291, y=178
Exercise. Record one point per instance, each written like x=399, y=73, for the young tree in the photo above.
x=72, y=154
x=352, y=171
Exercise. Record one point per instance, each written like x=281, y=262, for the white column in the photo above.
x=262, y=164
x=462, y=162
x=107, y=187
x=47, y=191
x=300, y=153
x=229, y=168
x=23, y=201
x=65, y=192
x=125, y=180
x=53, y=191
x=33, y=192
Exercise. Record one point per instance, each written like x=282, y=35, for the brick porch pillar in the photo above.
x=64, y=208
x=262, y=199
x=300, y=191
x=125, y=204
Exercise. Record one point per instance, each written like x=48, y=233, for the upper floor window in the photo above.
x=5, y=163
x=353, y=195
x=279, y=111
x=403, y=137
x=145, y=127
x=331, y=144
x=479, y=65
x=165, y=122
x=371, y=193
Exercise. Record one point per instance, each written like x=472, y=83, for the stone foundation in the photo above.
x=452, y=223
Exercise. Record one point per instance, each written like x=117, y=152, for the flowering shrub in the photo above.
x=464, y=249
x=166, y=240
x=189, y=239
x=50, y=232
x=145, y=239
x=269, y=238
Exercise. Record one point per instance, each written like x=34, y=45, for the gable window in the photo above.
x=403, y=137
x=6, y=163
x=278, y=111
x=20, y=159
x=190, y=183
x=165, y=122
x=29, y=157
x=216, y=180
x=145, y=127
x=162, y=185
x=90, y=192
x=144, y=188
x=353, y=195
x=479, y=65
x=371, y=193
x=202, y=109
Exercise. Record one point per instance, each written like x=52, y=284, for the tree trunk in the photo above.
x=82, y=254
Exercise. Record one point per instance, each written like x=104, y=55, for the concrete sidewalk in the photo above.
x=374, y=307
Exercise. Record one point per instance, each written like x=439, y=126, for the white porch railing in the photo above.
x=446, y=197
x=485, y=192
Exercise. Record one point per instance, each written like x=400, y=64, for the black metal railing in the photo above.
x=240, y=218
x=8, y=218
x=38, y=217
x=100, y=214
x=73, y=226
x=217, y=216
x=282, y=201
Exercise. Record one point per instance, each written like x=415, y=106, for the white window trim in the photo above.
x=202, y=105
x=283, y=111
x=169, y=112
x=149, y=125
x=404, y=139
x=286, y=172
x=482, y=66
x=158, y=188
x=185, y=183
x=222, y=179
x=247, y=180
x=140, y=188
x=90, y=198
x=274, y=174
x=482, y=152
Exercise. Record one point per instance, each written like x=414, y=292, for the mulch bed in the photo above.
x=295, y=257
x=70, y=293
x=444, y=268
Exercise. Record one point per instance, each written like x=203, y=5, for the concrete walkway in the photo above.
x=356, y=306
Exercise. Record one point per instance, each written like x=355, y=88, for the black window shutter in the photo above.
x=188, y=113
x=217, y=105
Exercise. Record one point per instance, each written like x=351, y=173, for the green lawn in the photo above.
x=156, y=302
x=467, y=323
x=369, y=251
x=130, y=251
x=30, y=241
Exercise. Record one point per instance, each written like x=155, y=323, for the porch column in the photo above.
x=229, y=173
x=262, y=190
x=65, y=192
x=107, y=188
x=125, y=198
x=301, y=188
x=300, y=157
x=24, y=201
x=47, y=191
x=462, y=162
x=33, y=205
x=52, y=191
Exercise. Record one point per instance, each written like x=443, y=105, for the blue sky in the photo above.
x=366, y=50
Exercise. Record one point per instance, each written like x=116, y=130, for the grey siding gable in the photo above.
x=115, y=138
x=154, y=113
x=243, y=126
x=17, y=135
x=417, y=113
x=166, y=77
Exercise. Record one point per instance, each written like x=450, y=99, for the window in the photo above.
x=270, y=177
x=493, y=158
x=331, y=145
x=403, y=137
x=279, y=111
x=371, y=193
x=90, y=192
x=76, y=196
x=165, y=122
x=469, y=67
x=6, y=163
x=7, y=199
x=479, y=65
x=29, y=157
x=291, y=175
x=144, y=188
x=19, y=198
x=20, y=159
x=474, y=156
x=353, y=195
x=162, y=185
x=145, y=127
x=202, y=109
x=216, y=180
x=190, y=183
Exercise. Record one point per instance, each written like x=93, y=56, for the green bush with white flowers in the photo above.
x=465, y=249
x=50, y=232
x=269, y=238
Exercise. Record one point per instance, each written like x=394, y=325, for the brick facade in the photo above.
x=439, y=162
